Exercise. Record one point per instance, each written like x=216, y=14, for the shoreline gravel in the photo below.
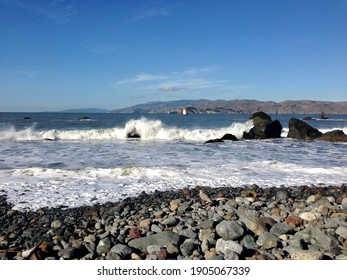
x=250, y=223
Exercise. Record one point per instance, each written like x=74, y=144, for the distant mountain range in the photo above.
x=238, y=106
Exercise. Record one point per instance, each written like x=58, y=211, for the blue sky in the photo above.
x=57, y=54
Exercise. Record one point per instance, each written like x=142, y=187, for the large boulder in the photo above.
x=334, y=136
x=264, y=127
x=299, y=129
x=228, y=137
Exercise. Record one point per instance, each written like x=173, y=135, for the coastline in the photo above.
x=230, y=223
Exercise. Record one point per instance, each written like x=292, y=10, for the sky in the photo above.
x=59, y=54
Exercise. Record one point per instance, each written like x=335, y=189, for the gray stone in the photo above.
x=90, y=238
x=206, y=224
x=56, y=224
x=172, y=249
x=281, y=195
x=121, y=250
x=156, y=228
x=230, y=255
x=206, y=233
x=249, y=242
x=163, y=238
x=267, y=240
x=154, y=249
x=217, y=218
x=304, y=234
x=325, y=239
x=67, y=253
x=300, y=254
x=188, y=247
x=342, y=231
x=295, y=242
x=104, y=246
x=90, y=247
x=207, y=244
x=224, y=246
x=189, y=233
x=170, y=221
x=280, y=228
x=113, y=256
x=254, y=224
x=229, y=230
x=245, y=212
x=331, y=223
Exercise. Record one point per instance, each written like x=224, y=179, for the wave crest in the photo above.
x=146, y=129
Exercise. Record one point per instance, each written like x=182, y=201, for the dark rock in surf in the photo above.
x=84, y=119
x=218, y=140
x=230, y=137
x=334, y=136
x=264, y=127
x=324, y=116
x=298, y=129
x=133, y=134
x=227, y=137
x=308, y=119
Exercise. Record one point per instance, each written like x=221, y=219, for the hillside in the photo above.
x=239, y=106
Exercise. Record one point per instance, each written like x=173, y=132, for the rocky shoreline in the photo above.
x=250, y=223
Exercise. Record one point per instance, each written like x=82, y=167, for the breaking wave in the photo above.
x=144, y=128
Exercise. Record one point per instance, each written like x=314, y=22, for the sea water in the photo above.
x=61, y=160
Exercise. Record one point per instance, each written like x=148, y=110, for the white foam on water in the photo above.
x=32, y=188
x=147, y=129
x=98, y=165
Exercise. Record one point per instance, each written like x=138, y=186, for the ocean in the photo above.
x=61, y=160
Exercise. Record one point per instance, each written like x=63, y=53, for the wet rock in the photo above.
x=230, y=137
x=334, y=136
x=264, y=127
x=299, y=129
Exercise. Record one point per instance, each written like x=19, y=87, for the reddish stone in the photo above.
x=134, y=233
x=162, y=254
x=249, y=193
x=344, y=244
x=293, y=221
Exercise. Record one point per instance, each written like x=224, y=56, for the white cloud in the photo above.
x=198, y=70
x=170, y=88
x=191, y=79
x=142, y=78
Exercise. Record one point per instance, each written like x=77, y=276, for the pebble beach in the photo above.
x=201, y=223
